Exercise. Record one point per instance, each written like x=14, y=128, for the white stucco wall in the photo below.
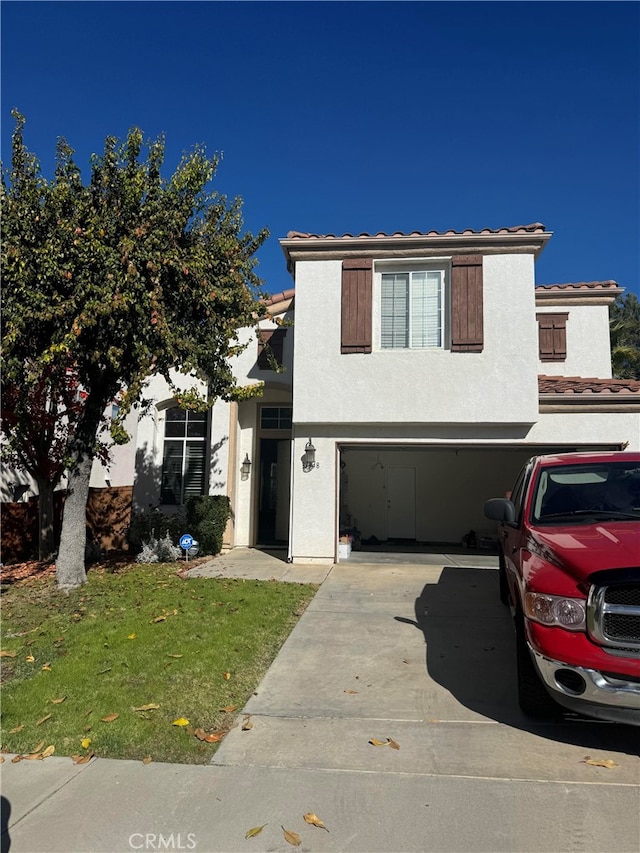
x=120, y=469
x=412, y=386
x=244, y=365
x=312, y=536
x=226, y=430
x=588, y=342
x=149, y=446
x=588, y=428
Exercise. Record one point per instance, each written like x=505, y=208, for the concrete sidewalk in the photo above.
x=417, y=653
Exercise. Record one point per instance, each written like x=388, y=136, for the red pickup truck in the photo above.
x=569, y=537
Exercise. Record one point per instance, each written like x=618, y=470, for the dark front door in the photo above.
x=273, y=510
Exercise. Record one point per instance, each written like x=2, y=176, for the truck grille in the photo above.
x=613, y=616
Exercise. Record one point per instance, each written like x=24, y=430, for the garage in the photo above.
x=421, y=496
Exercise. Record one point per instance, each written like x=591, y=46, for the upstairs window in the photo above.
x=412, y=305
x=270, y=343
x=418, y=307
x=184, y=456
x=552, y=336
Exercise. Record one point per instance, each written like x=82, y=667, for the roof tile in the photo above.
x=533, y=228
x=580, y=385
x=579, y=285
x=280, y=297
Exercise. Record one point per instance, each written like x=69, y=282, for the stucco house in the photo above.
x=419, y=371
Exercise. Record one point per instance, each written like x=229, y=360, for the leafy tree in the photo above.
x=128, y=276
x=624, y=323
x=38, y=417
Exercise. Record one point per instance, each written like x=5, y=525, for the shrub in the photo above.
x=154, y=523
x=207, y=518
x=159, y=551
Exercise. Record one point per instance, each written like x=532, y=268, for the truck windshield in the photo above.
x=587, y=492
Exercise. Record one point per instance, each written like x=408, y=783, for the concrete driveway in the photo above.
x=421, y=654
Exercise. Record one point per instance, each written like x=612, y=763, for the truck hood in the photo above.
x=582, y=549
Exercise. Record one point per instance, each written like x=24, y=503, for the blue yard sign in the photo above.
x=186, y=541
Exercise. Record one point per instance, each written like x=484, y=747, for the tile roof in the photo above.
x=533, y=228
x=586, y=387
x=580, y=285
x=275, y=298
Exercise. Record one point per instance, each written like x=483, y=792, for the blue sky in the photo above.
x=339, y=117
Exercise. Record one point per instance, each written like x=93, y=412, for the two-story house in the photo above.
x=427, y=367
x=419, y=372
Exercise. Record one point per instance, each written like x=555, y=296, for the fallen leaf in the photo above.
x=375, y=742
x=208, y=737
x=159, y=619
x=33, y=756
x=147, y=759
x=229, y=709
x=292, y=837
x=85, y=743
x=102, y=671
x=43, y=720
x=2, y=759
x=247, y=724
x=226, y=676
x=49, y=751
x=351, y=692
x=37, y=748
x=29, y=658
x=82, y=759
x=256, y=830
x=88, y=712
x=46, y=667
x=58, y=701
x=603, y=762
x=181, y=721
x=16, y=758
x=109, y=718
x=213, y=737
x=132, y=636
x=5, y=653
x=17, y=729
x=314, y=820
x=150, y=707
x=175, y=656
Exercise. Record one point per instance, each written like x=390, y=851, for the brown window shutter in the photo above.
x=271, y=341
x=552, y=336
x=467, y=325
x=357, y=277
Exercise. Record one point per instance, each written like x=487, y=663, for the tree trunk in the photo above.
x=46, y=531
x=70, y=565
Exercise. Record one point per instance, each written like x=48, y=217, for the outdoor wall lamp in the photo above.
x=245, y=468
x=309, y=457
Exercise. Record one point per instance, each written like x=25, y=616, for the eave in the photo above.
x=578, y=293
x=528, y=239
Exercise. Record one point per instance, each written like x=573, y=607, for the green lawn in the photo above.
x=134, y=637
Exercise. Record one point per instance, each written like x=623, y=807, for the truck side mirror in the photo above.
x=500, y=509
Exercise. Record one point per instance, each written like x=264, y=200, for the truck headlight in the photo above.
x=569, y=613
